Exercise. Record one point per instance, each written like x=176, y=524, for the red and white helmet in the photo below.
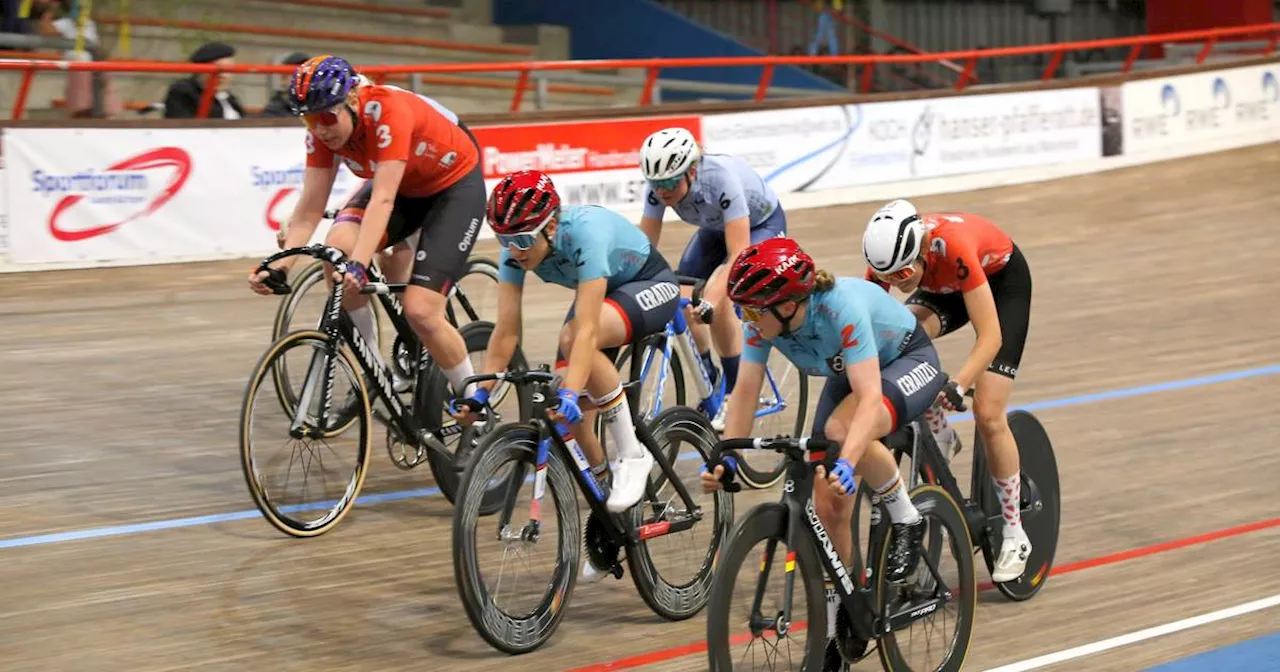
x=522, y=201
x=770, y=272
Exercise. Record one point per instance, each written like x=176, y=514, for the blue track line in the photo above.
x=368, y=499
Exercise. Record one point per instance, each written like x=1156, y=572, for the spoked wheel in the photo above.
x=753, y=621
x=328, y=471
x=508, y=402
x=1040, y=503
x=673, y=570
x=931, y=612
x=302, y=309
x=784, y=406
x=492, y=557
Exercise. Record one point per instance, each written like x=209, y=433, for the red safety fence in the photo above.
x=652, y=66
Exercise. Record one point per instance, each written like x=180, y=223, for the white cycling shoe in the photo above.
x=630, y=475
x=1012, y=561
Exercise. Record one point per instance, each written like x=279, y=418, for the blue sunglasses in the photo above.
x=668, y=184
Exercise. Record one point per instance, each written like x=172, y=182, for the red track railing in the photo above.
x=652, y=66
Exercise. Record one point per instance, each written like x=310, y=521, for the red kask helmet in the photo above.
x=522, y=201
x=770, y=272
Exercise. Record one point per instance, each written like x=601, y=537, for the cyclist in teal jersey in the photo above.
x=881, y=372
x=624, y=290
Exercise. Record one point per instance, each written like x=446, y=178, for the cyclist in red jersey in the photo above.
x=960, y=267
x=423, y=180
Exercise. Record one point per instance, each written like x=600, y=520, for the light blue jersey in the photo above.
x=590, y=242
x=725, y=189
x=853, y=321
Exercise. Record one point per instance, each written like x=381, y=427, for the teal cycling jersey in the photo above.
x=590, y=242
x=853, y=321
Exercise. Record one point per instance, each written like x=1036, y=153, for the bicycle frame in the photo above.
x=549, y=440
x=678, y=331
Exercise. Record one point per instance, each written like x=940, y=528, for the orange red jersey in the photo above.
x=397, y=125
x=963, y=250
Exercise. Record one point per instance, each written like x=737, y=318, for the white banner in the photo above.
x=148, y=194
x=810, y=149
x=1202, y=106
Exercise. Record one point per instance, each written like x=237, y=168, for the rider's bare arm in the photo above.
x=506, y=330
x=981, y=306
x=652, y=228
x=317, y=184
x=737, y=236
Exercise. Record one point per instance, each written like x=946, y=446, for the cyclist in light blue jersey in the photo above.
x=732, y=207
x=881, y=369
x=624, y=289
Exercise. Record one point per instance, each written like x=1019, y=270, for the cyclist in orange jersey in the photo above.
x=423, y=181
x=960, y=267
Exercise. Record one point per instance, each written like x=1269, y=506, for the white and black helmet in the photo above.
x=668, y=153
x=893, y=237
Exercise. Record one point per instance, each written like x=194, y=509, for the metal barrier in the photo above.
x=652, y=66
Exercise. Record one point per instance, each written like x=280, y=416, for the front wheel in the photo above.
x=340, y=461
x=783, y=409
x=514, y=613
x=786, y=623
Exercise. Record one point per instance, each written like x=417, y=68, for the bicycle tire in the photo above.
x=670, y=601
x=934, y=503
x=476, y=265
x=433, y=397
x=760, y=479
x=763, y=523
x=260, y=497
x=514, y=441
x=1037, y=460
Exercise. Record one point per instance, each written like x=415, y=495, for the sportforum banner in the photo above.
x=153, y=194
x=1201, y=106
x=591, y=162
x=810, y=149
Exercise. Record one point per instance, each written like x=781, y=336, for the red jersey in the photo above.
x=398, y=125
x=963, y=250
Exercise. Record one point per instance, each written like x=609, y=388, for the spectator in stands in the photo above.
x=57, y=20
x=278, y=104
x=183, y=99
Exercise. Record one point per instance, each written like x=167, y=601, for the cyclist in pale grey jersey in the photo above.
x=732, y=207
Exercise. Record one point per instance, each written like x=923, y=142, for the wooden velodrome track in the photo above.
x=1152, y=339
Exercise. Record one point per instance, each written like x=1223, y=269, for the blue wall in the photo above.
x=645, y=29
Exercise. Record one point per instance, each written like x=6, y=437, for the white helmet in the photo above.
x=668, y=153
x=893, y=237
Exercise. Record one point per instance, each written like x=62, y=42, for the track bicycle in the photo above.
x=533, y=447
x=417, y=430
x=870, y=607
x=1039, y=497
x=670, y=354
x=481, y=271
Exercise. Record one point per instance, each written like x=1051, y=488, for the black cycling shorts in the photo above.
x=646, y=303
x=449, y=222
x=1011, y=289
x=909, y=385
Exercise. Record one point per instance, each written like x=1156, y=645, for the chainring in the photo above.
x=601, y=549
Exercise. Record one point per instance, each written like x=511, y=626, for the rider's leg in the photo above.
x=726, y=333
x=704, y=252
x=939, y=315
x=450, y=224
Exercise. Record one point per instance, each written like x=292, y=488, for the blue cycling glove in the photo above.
x=480, y=398
x=844, y=473
x=569, y=406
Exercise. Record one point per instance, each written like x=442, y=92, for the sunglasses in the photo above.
x=899, y=276
x=521, y=241
x=326, y=118
x=668, y=184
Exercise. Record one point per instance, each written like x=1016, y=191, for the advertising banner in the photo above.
x=590, y=162
x=1204, y=106
x=811, y=149
x=148, y=194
